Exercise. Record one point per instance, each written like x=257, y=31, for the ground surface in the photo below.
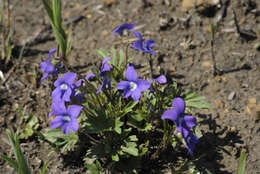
x=183, y=53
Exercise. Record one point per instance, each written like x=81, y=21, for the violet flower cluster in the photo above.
x=183, y=122
x=67, y=88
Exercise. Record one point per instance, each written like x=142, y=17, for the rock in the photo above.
x=231, y=95
x=207, y=64
x=252, y=100
x=200, y=4
x=257, y=113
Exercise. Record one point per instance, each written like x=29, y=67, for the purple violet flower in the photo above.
x=65, y=118
x=146, y=47
x=183, y=122
x=64, y=86
x=133, y=86
x=47, y=67
x=126, y=26
x=103, y=73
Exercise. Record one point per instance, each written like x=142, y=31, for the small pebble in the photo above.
x=231, y=95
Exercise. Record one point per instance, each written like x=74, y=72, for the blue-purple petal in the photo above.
x=127, y=26
x=56, y=122
x=161, y=79
x=123, y=85
x=190, y=142
x=190, y=121
x=89, y=76
x=56, y=94
x=179, y=105
x=51, y=52
x=67, y=94
x=69, y=77
x=74, y=125
x=143, y=85
x=170, y=114
x=58, y=108
x=105, y=66
x=74, y=110
x=136, y=94
x=130, y=73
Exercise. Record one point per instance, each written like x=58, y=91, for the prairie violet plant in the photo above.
x=65, y=117
x=110, y=120
x=133, y=86
x=183, y=122
x=47, y=67
x=126, y=26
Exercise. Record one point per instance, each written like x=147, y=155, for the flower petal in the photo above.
x=190, y=142
x=148, y=44
x=143, y=85
x=170, y=114
x=74, y=125
x=136, y=94
x=74, y=110
x=130, y=73
x=179, y=105
x=161, y=79
x=126, y=26
x=58, y=81
x=89, y=76
x=138, y=35
x=123, y=85
x=45, y=76
x=56, y=94
x=67, y=94
x=65, y=128
x=58, y=108
x=69, y=77
x=190, y=121
x=105, y=66
x=57, y=122
x=51, y=52
x=127, y=93
x=78, y=83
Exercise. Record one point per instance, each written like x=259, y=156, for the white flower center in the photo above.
x=133, y=86
x=66, y=118
x=64, y=86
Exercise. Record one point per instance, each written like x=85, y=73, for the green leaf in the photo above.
x=242, y=163
x=198, y=132
x=10, y=161
x=102, y=53
x=118, y=124
x=113, y=51
x=192, y=99
x=115, y=157
x=130, y=149
x=121, y=57
x=44, y=167
x=92, y=169
x=133, y=138
x=21, y=161
x=98, y=124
